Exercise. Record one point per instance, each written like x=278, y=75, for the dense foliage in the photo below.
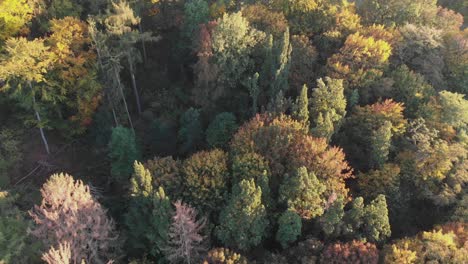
x=212, y=131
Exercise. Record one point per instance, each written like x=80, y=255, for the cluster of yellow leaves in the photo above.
x=361, y=57
x=14, y=14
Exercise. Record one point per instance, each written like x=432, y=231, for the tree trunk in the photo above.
x=135, y=90
x=38, y=117
x=124, y=100
x=140, y=28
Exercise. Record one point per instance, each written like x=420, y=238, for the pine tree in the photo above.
x=381, y=142
x=123, y=152
x=302, y=193
x=254, y=91
x=220, y=130
x=185, y=242
x=377, y=225
x=243, y=221
x=148, y=216
x=301, y=107
x=281, y=75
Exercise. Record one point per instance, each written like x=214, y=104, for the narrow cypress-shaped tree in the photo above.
x=301, y=107
x=243, y=221
x=123, y=152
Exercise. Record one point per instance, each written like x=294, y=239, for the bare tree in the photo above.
x=185, y=241
x=69, y=214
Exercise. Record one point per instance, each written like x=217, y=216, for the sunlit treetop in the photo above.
x=14, y=14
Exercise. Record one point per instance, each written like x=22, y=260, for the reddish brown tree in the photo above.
x=355, y=252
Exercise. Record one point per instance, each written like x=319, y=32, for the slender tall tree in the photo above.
x=24, y=67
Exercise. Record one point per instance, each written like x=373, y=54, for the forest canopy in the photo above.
x=222, y=131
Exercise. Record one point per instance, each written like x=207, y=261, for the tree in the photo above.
x=328, y=105
x=243, y=221
x=411, y=89
x=421, y=49
x=166, y=173
x=233, y=41
x=454, y=109
x=15, y=14
x=286, y=145
x=190, y=133
x=381, y=140
x=119, y=23
x=302, y=193
x=396, y=12
x=360, y=61
x=74, y=67
x=13, y=231
x=196, y=12
x=70, y=214
x=290, y=225
x=351, y=252
x=220, y=130
x=301, y=107
x=206, y=177
x=224, y=256
x=367, y=130
x=148, y=216
x=24, y=66
x=281, y=64
x=254, y=91
x=304, y=58
x=377, y=226
x=185, y=239
x=253, y=166
x=359, y=221
x=123, y=152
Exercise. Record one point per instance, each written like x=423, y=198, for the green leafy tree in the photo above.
x=328, y=105
x=220, y=130
x=233, y=41
x=290, y=225
x=301, y=107
x=302, y=193
x=243, y=221
x=411, y=89
x=206, y=177
x=148, y=216
x=196, y=12
x=24, y=67
x=253, y=166
x=254, y=91
x=454, y=109
x=190, y=133
x=123, y=151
